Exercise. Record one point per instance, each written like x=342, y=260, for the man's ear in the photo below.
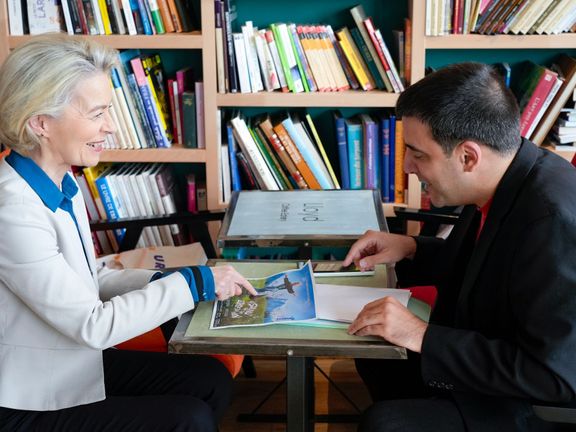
x=37, y=124
x=470, y=155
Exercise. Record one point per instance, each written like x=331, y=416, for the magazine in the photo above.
x=283, y=297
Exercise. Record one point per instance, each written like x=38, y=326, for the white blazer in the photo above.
x=56, y=311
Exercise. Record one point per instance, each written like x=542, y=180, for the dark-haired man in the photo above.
x=503, y=330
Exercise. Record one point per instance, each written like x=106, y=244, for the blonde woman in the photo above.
x=59, y=315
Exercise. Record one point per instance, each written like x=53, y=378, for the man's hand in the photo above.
x=376, y=247
x=390, y=320
x=229, y=282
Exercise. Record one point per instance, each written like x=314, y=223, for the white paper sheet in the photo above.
x=343, y=302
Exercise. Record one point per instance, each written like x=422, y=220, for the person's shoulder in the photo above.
x=13, y=188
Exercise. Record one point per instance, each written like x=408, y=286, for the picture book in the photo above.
x=283, y=297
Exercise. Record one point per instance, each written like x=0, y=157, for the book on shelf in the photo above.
x=303, y=64
x=232, y=146
x=225, y=173
x=392, y=158
x=363, y=53
x=219, y=35
x=385, y=158
x=249, y=148
x=340, y=129
x=320, y=147
x=298, y=136
x=352, y=54
x=383, y=56
x=191, y=203
x=399, y=175
x=295, y=155
x=200, y=132
x=371, y=152
x=266, y=61
x=339, y=59
x=189, y=117
x=166, y=185
x=359, y=16
x=273, y=48
x=43, y=17
x=241, y=60
x=354, y=143
x=566, y=67
x=289, y=62
x=270, y=159
x=266, y=127
x=153, y=68
x=256, y=84
x=151, y=194
x=16, y=17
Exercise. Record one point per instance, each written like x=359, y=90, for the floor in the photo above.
x=249, y=392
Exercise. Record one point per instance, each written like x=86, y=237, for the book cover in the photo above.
x=363, y=53
x=200, y=133
x=399, y=175
x=283, y=297
x=354, y=57
x=167, y=188
x=540, y=100
x=392, y=159
x=276, y=59
x=270, y=156
x=43, y=16
x=241, y=63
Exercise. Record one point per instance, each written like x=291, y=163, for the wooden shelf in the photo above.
x=474, y=41
x=371, y=99
x=172, y=154
x=191, y=40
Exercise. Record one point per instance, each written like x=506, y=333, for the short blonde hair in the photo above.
x=40, y=77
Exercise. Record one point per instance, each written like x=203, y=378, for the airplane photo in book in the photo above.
x=286, y=296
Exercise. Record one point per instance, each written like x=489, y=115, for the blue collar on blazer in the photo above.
x=39, y=181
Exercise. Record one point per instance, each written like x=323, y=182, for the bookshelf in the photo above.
x=452, y=47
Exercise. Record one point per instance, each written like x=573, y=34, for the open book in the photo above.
x=283, y=297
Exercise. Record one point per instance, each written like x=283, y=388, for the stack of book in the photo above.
x=286, y=152
x=304, y=58
x=101, y=17
x=151, y=111
x=283, y=153
x=130, y=191
x=563, y=134
x=535, y=89
x=371, y=153
x=500, y=17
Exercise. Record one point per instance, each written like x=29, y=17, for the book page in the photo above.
x=343, y=302
x=283, y=297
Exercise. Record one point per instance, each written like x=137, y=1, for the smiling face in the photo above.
x=442, y=175
x=77, y=136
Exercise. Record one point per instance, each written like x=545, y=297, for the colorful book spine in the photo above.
x=232, y=148
x=399, y=175
x=355, y=150
x=151, y=108
x=340, y=127
x=110, y=202
x=371, y=152
x=282, y=153
x=385, y=160
x=392, y=159
x=320, y=147
x=306, y=153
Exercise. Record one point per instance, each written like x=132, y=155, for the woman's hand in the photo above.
x=229, y=282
